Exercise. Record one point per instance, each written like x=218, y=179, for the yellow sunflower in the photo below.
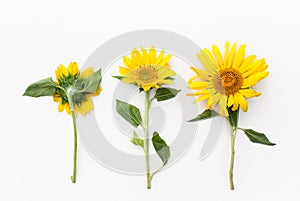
x=227, y=79
x=146, y=70
x=66, y=78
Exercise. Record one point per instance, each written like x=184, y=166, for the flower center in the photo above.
x=147, y=73
x=228, y=81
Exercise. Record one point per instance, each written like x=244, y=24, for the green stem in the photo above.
x=232, y=139
x=146, y=131
x=73, y=177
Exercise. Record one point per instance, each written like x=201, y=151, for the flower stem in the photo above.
x=232, y=139
x=146, y=131
x=73, y=177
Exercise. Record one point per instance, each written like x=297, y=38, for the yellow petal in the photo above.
x=249, y=93
x=211, y=57
x=129, y=63
x=63, y=70
x=61, y=107
x=128, y=80
x=235, y=102
x=192, y=79
x=165, y=60
x=152, y=55
x=242, y=102
x=86, y=106
x=57, y=74
x=73, y=68
x=97, y=92
x=222, y=105
x=202, y=97
x=167, y=81
x=239, y=57
x=201, y=73
x=197, y=85
x=57, y=98
x=136, y=57
x=206, y=62
x=146, y=87
x=160, y=57
x=123, y=70
x=253, y=67
x=87, y=72
x=218, y=55
x=231, y=55
x=68, y=110
x=227, y=45
x=253, y=79
x=230, y=101
x=145, y=56
x=164, y=72
x=248, y=61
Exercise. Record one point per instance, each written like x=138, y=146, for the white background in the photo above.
x=36, y=141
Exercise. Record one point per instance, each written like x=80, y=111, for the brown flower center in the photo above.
x=147, y=73
x=228, y=81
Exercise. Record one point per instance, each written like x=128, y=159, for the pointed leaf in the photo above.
x=137, y=140
x=130, y=113
x=91, y=84
x=257, y=137
x=161, y=148
x=165, y=93
x=44, y=87
x=207, y=114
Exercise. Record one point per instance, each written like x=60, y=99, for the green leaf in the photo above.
x=207, y=114
x=130, y=113
x=161, y=148
x=257, y=137
x=91, y=84
x=44, y=87
x=137, y=140
x=165, y=93
x=233, y=117
x=118, y=77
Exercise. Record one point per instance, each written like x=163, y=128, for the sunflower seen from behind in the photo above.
x=66, y=79
x=226, y=82
x=73, y=91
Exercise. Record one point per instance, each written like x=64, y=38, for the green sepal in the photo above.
x=207, y=114
x=137, y=140
x=233, y=117
x=119, y=77
x=44, y=87
x=257, y=137
x=165, y=93
x=161, y=147
x=129, y=112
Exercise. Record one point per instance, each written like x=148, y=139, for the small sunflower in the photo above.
x=66, y=79
x=146, y=70
x=227, y=80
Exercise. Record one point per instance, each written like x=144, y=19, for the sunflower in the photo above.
x=227, y=80
x=146, y=70
x=66, y=79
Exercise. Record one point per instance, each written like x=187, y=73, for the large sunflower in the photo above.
x=66, y=78
x=146, y=70
x=227, y=79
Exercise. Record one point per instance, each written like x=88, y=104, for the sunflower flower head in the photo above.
x=71, y=82
x=146, y=69
x=227, y=80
